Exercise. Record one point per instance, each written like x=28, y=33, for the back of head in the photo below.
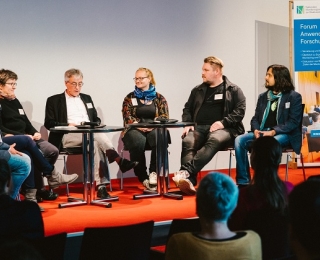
x=304, y=212
x=315, y=116
x=5, y=174
x=217, y=197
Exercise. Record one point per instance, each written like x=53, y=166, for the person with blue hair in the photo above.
x=216, y=199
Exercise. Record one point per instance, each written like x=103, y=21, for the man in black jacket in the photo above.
x=70, y=109
x=217, y=107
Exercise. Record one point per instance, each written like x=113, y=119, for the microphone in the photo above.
x=92, y=124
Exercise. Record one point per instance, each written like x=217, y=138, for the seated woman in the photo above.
x=14, y=122
x=142, y=105
x=216, y=198
x=262, y=205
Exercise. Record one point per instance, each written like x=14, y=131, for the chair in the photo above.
x=177, y=226
x=147, y=148
x=289, y=149
x=77, y=150
x=51, y=247
x=131, y=242
x=313, y=142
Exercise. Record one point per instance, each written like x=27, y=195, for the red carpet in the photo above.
x=126, y=210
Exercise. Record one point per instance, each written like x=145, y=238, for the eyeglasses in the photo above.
x=75, y=84
x=140, y=78
x=12, y=84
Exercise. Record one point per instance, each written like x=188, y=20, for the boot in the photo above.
x=30, y=194
x=56, y=179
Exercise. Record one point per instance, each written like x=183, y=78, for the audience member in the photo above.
x=18, y=219
x=217, y=106
x=14, y=122
x=304, y=212
x=70, y=108
x=144, y=104
x=19, y=249
x=315, y=122
x=262, y=205
x=216, y=199
x=277, y=114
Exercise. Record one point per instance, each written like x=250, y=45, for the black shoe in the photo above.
x=102, y=193
x=46, y=195
x=126, y=165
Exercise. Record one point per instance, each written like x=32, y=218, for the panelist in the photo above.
x=70, y=108
x=217, y=106
x=143, y=105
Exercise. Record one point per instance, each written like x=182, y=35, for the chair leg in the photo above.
x=121, y=174
x=230, y=156
x=66, y=172
x=287, y=167
x=108, y=169
x=302, y=163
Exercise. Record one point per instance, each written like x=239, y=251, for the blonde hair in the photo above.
x=149, y=75
x=214, y=61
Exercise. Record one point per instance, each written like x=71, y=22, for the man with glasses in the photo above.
x=217, y=106
x=72, y=107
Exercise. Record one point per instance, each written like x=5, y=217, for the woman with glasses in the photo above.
x=143, y=104
x=15, y=127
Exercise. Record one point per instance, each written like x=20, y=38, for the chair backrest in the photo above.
x=184, y=225
x=313, y=142
x=131, y=242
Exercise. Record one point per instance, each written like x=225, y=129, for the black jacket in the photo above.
x=56, y=114
x=234, y=106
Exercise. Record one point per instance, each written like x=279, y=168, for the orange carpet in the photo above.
x=126, y=210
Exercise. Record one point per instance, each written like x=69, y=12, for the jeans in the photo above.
x=135, y=141
x=20, y=168
x=199, y=147
x=242, y=145
x=26, y=145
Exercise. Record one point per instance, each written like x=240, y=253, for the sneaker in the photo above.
x=126, y=165
x=46, y=195
x=186, y=187
x=183, y=174
x=56, y=179
x=102, y=192
x=153, y=178
x=147, y=185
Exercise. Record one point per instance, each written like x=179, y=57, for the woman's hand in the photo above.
x=37, y=136
x=14, y=151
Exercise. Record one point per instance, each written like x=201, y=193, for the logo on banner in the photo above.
x=300, y=9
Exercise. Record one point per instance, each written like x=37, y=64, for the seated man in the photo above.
x=217, y=106
x=277, y=114
x=18, y=219
x=216, y=199
x=71, y=108
x=304, y=212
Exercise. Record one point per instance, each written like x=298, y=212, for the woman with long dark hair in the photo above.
x=262, y=205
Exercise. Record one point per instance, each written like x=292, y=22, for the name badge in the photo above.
x=134, y=101
x=89, y=105
x=217, y=96
x=287, y=105
x=21, y=112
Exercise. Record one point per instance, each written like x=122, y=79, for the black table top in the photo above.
x=85, y=129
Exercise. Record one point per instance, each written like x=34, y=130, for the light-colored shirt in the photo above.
x=315, y=125
x=76, y=110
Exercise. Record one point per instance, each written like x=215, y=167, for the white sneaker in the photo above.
x=186, y=187
x=183, y=174
x=153, y=178
x=146, y=184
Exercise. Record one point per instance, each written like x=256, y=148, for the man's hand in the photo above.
x=37, y=136
x=186, y=130
x=14, y=151
x=216, y=126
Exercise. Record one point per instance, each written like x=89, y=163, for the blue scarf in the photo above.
x=271, y=98
x=146, y=95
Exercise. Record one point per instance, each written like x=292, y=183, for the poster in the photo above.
x=306, y=39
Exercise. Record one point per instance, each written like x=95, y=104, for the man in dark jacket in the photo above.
x=278, y=114
x=217, y=107
x=70, y=108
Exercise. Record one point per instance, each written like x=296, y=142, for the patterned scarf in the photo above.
x=275, y=105
x=146, y=95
